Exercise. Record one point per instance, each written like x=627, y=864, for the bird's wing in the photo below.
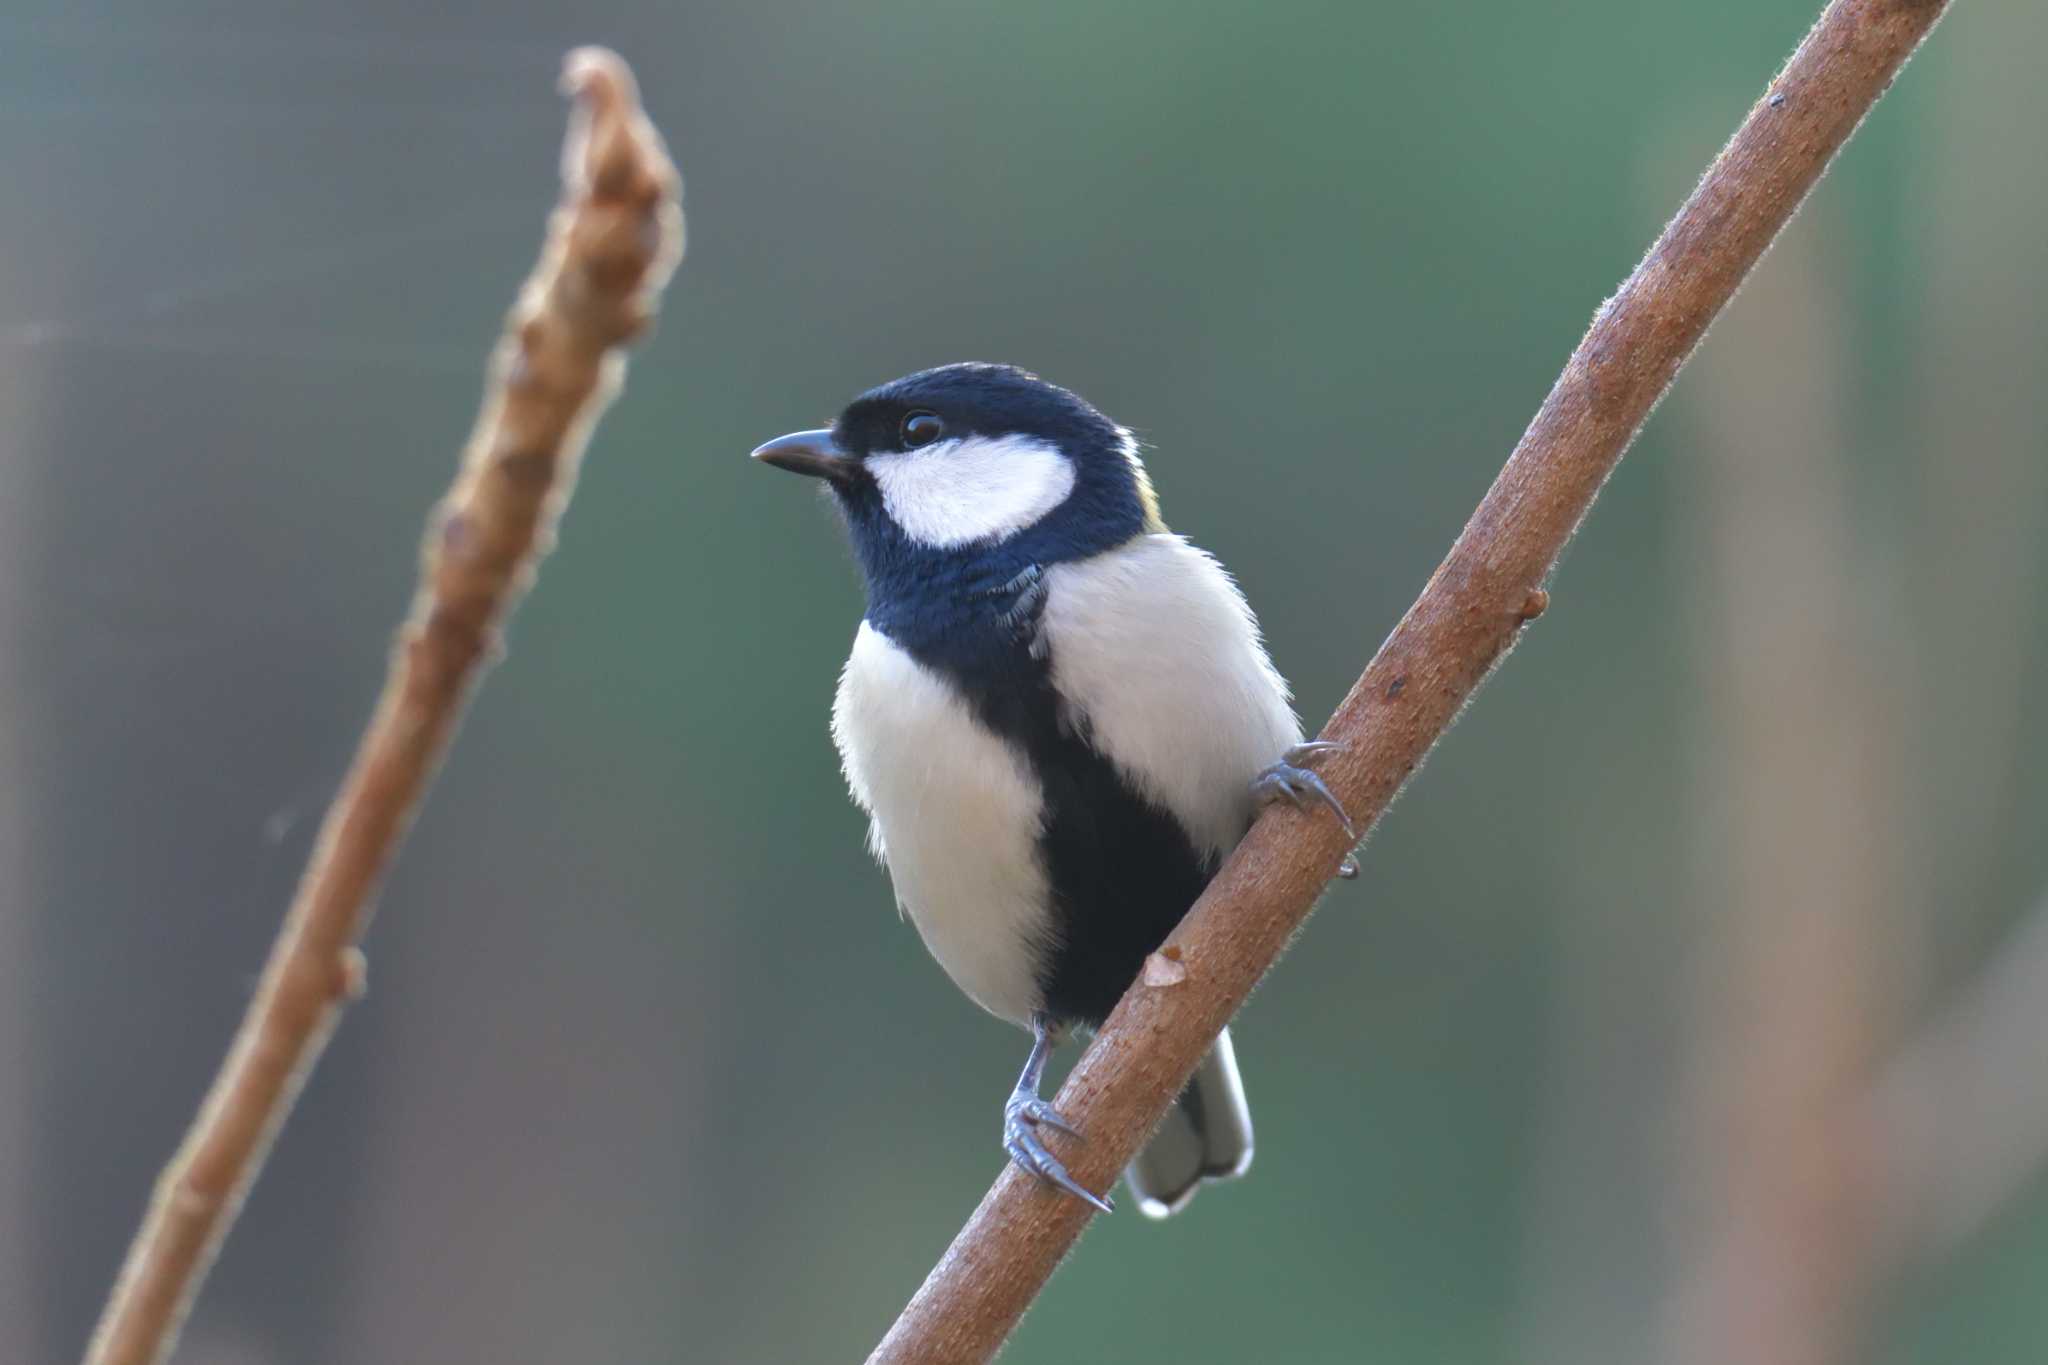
x=1158, y=660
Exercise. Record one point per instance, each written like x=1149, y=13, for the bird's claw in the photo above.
x=1021, y=1116
x=1289, y=781
x=1031, y=1109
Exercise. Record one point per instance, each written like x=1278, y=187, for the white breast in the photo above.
x=1154, y=648
x=957, y=814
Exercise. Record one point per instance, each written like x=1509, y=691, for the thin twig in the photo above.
x=1465, y=620
x=611, y=244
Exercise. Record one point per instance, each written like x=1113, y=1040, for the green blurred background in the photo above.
x=1686, y=1007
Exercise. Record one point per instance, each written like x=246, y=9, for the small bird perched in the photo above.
x=1058, y=715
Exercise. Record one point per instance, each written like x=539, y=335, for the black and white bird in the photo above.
x=1058, y=714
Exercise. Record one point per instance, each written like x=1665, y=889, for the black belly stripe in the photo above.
x=1122, y=870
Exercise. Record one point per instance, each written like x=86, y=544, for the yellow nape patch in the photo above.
x=1147, y=494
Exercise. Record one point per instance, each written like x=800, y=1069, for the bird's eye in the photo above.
x=921, y=429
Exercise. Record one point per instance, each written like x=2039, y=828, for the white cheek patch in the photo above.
x=976, y=488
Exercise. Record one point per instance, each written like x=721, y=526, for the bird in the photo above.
x=1059, y=717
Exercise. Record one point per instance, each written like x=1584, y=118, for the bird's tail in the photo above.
x=1207, y=1135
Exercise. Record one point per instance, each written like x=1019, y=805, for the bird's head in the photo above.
x=970, y=463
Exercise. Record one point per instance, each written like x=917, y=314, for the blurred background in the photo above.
x=1689, y=1007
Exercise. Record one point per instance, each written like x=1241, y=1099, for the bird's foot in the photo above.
x=1021, y=1119
x=1290, y=781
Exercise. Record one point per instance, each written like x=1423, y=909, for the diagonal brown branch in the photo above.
x=611, y=244
x=1464, y=621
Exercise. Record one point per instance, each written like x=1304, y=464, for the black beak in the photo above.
x=809, y=452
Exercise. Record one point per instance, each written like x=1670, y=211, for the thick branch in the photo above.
x=1465, y=620
x=611, y=244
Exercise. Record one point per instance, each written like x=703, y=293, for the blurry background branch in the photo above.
x=1815, y=1171
x=611, y=245
x=1465, y=620
x=1960, y=1115
x=1795, y=845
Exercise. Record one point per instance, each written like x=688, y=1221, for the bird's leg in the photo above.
x=1025, y=1111
x=1289, y=781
